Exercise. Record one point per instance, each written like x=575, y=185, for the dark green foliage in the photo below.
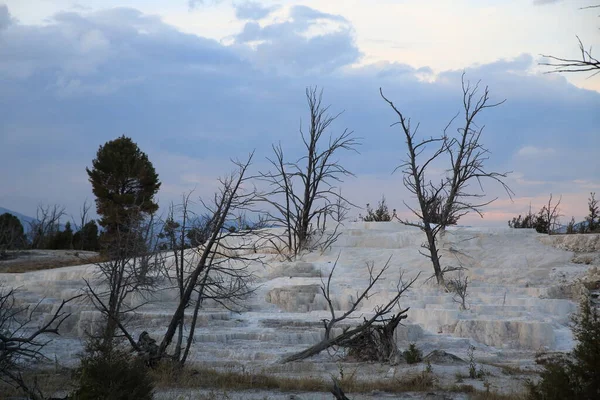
x=62, y=240
x=571, y=226
x=539, y=221
x=124, y=182
x=520, y=222
x=380, y=214
x=87, y=237
x=575, y=375
x=413, y=355
x=593, y=220
x=109, y=373
x=12, y=234
x=474, y=372
x=542, y=224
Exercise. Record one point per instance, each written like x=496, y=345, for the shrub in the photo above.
x=575, y=375
x=108, y=372
x=380, y=214
x=571, y=226
x=520, y=222
x=413, y=355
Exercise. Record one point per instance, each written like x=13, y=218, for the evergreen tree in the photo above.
x=380, y=214
x=67, y=237
x=575, y=375
x=12, y=234
x=124, y=182
x=89, y=236
x=592, y=219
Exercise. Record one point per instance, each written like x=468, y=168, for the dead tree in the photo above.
x=302, y=193
x=444, y=202
x=372, y=339
x=586, y=63
x=459, y=288
x=129, y=269
x=83, y=219
x=22, y=341
x=217, y=270
x=547, y=219
x=46, y=223
x=337, y=391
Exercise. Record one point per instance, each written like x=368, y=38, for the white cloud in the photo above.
x=532, y=151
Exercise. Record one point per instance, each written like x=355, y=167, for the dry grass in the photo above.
x=480, y=395
x=48, y=381
x=222, y=382
x=484, y=395
x=167, y=378
x=27, y=265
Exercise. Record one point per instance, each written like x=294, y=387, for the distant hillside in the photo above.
x=25, y=220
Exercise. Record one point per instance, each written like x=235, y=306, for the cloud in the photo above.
x=251, y=10
x=542, y=2
x=304, y=13
x=192, y=4
x=191, y=103
x=532, y=151
x=5, y=18
x=310, y=42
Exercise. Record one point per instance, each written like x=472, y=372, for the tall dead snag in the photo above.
x=442, y=203
x=302, y=193
x=22, y=341
x=217, y=270
x=371, y=340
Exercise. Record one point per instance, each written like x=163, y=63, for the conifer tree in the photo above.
x=124, y=182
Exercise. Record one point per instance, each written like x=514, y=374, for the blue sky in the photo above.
x=195, y=83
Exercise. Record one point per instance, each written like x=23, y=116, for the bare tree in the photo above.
x=83, y=220
x=129, y=270
x=459, y=288
x=22, y=341
x=302, y=193
x=444, y=202
x=547, y=219
x=218, y=270
x=46, y=223
x=373, y=339
x=586, y=63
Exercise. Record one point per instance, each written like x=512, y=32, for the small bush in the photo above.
x=575, y=375
x=380, y=214
x=112, y=374
x=413, y=355
x=474, y=373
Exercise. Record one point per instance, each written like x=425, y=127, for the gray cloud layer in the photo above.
x=192, y=103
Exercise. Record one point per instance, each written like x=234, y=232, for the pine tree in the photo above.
x=592, y=218
x=124, y=182
x=12, y=234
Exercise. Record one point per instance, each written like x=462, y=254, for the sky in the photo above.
x=198, y=82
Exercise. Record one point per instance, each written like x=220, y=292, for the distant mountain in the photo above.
x=25, y=220
x=576, y=227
